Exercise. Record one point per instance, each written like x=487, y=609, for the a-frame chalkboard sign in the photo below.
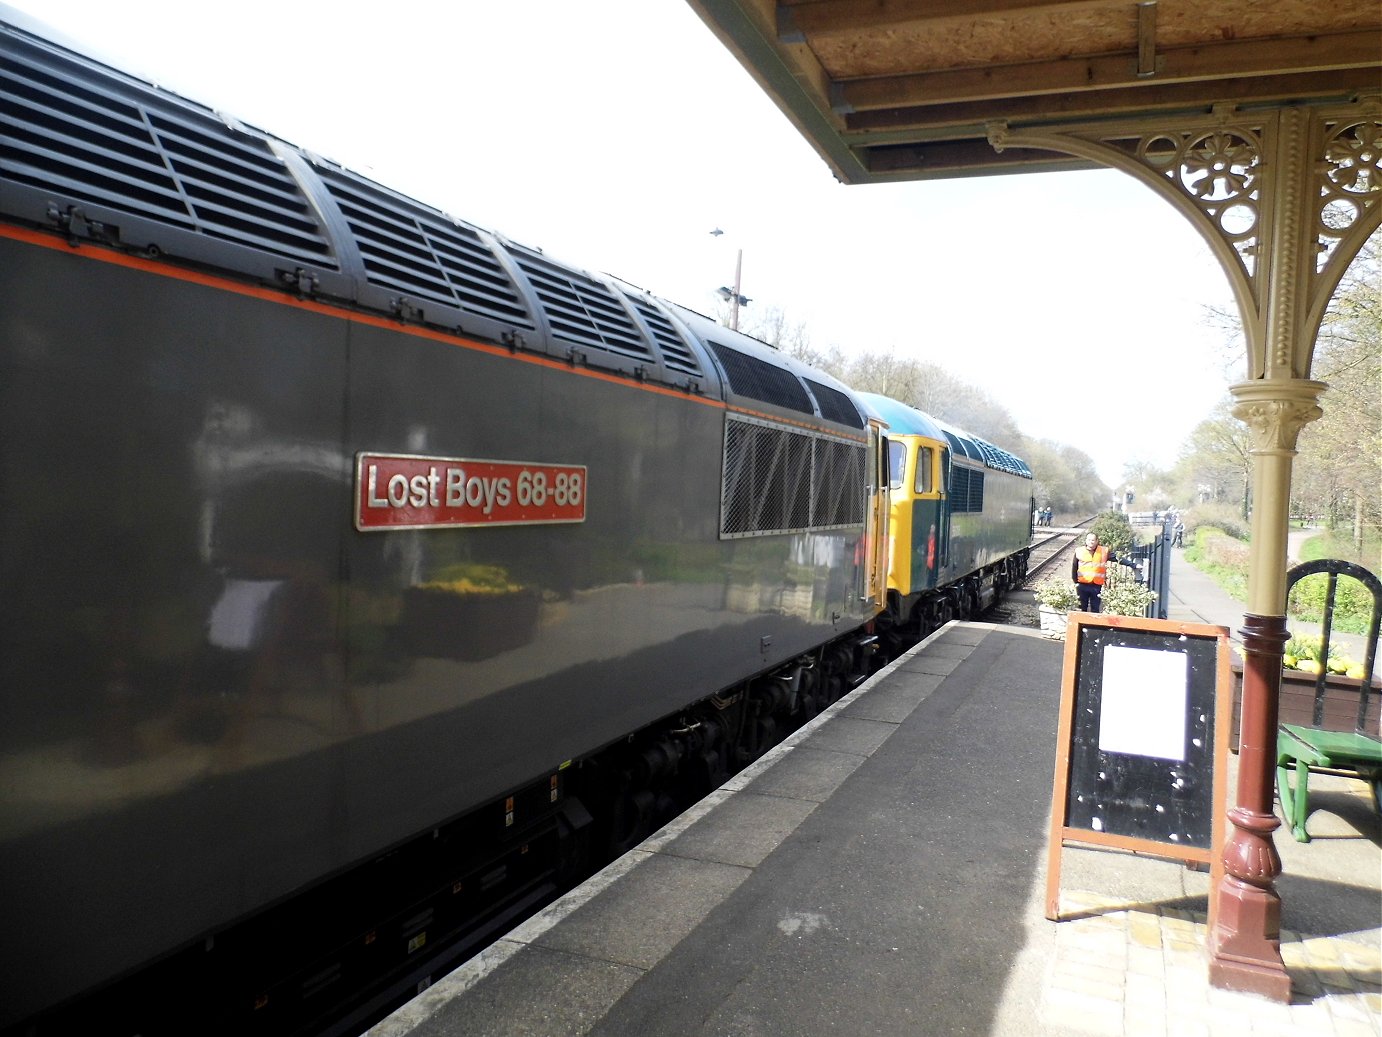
x=1142, y=745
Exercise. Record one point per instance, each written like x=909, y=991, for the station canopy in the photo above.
x=889, y=90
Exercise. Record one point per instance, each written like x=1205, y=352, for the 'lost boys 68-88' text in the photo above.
x=394, y=491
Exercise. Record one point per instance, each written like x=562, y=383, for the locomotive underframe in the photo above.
x=335, y=959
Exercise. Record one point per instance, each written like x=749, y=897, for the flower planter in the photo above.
x=1053, y=621
x=1297, y=702
x=443, y=625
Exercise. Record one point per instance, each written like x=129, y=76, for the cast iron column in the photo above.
x=1245, y=944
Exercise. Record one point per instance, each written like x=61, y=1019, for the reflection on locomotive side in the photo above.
x=366, y=560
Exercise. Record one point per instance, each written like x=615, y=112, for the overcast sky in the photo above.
x=616, y=134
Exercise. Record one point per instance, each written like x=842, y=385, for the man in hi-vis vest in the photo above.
x=1089, y=570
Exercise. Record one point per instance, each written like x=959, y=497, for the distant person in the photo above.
x=1046, y=515
x=1178, y=533
x=1089, y=570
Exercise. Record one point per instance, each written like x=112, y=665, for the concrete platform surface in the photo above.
x=883, y=872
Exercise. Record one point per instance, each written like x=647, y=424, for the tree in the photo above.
x=1338, y=469
x=1156, y=489
x=770, y=324
x=1337, y=474
x=1063, y=477
x=1215, y=462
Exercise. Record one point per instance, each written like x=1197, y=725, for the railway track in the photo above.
x=1053, y=545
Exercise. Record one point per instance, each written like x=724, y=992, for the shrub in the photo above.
x=1114, y=531
x=1224, y=517
x=1217, y=548
x=1303, y=652
x=1327, y=544
x=1058, y=592
x=1123, y=595
x=1352, y=602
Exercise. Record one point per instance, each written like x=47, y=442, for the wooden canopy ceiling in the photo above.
x=909, y=89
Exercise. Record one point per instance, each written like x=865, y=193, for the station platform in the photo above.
x=883, y=872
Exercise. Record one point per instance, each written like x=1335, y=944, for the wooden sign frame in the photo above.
x=1141, y=732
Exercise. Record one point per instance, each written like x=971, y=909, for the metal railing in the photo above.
x=1153, y=565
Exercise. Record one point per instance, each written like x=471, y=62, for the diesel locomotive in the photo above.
x=959, y=521
x=367, y=577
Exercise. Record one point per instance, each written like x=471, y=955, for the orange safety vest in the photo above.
x=1093, y=568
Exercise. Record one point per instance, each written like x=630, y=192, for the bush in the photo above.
x=1352, y=602
x=1221, y=557
x=1224, y=517
x=1114, y=531
x=1058, y=592
x=1331, y=545
x=1123, y=595
x=1219, y=549
x=1303, y=652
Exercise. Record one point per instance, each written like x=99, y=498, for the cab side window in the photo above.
x=897, y=464
x=923, y=481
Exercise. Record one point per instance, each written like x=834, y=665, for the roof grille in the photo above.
x=675, y=352
x=85, y=135
x=580, y=309
x=751, y=377
x=411, y=249
x=835, y=405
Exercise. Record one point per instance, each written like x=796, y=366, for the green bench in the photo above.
x=1314, y=747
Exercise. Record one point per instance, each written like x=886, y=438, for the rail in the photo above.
x=1050, y=544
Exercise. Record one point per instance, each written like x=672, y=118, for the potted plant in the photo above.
x=1056, y=598
x=1122, y=596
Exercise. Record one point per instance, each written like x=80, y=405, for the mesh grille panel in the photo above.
x=778, y=480
x=959, y=488
x=839, y=498
x=751, y=377
x=120, y=146
x=835, y=405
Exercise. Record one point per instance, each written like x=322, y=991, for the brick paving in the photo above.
x=1142, y=973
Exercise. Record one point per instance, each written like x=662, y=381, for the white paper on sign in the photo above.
x=1143, y=705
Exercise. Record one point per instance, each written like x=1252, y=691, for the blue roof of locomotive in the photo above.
x=908, y=421
x=902, y=419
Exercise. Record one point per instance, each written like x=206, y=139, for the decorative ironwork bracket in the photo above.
x=1284, y=197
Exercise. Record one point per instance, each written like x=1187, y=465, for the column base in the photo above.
x=1250, y=977
x=1245, y=946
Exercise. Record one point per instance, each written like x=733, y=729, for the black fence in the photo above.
x=1153, y=564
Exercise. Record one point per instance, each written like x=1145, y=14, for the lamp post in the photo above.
x=734, y=297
